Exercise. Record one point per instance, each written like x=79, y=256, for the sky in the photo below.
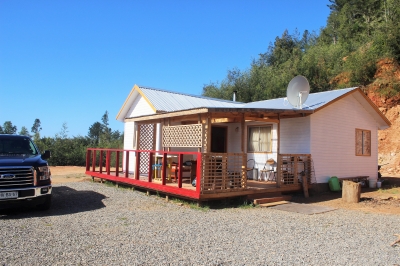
x=70, y=61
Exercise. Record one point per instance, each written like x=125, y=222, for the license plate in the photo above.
x=9, y=195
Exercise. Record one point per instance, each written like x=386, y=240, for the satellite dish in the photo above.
x=297, y=91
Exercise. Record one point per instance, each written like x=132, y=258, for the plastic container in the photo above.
x=334, y=184
x=372, y=183
x=255, y=173
x=378, y=184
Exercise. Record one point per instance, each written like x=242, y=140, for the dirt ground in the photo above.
x=384, y=200
x=66, y=174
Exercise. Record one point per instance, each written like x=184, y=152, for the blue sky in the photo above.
x=70, y=61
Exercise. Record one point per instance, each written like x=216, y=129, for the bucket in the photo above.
x=255, y=174
x=378, y=184
x=372, y=183
x=334, y=184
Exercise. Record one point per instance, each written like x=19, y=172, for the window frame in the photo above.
x=259, y=143
x=362, y=142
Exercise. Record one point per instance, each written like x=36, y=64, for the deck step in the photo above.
x=274, y=203
x=271, y=199
x=264, y=195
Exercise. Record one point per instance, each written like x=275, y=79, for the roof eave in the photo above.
x=203, y=110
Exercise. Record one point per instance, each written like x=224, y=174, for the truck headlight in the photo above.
x=44, y=173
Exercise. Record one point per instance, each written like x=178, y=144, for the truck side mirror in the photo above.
x=46, y=155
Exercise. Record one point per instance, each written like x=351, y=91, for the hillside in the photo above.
x=387, y=74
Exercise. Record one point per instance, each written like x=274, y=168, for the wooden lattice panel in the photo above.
x=183, y=136
x=146, y=142
x=294, y=166
x=223, y=172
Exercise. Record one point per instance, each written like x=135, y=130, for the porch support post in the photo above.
x=199, y=122
x=136, y=159
x=158, y=137
x=169, y=124
x=244, y=157
x=154, y=138
x=208, y=134
x=242, y=125
x=278, y=166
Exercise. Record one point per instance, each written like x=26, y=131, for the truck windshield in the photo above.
x=17, y=146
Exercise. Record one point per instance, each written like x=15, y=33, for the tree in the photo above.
x=95, y=131
x=36, y=129
x=8, y=128
x=106, y=131
x=24, y=131
x=63, y=134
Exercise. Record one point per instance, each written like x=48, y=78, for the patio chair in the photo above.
x=268, y=171
x=251, y=163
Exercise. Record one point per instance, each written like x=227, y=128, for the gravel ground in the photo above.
x=92, y=223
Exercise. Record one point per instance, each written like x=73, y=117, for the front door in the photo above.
x=218, y=139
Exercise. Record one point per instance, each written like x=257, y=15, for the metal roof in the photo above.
x=313, y=102
x=168, y=101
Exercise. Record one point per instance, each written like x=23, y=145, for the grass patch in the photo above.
x=191, y=205
x=393, y=190
x=120, y=186
x=109, y=183
x=246, y=205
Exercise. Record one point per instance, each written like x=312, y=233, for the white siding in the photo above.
x=333, y=141
x=129, y=144
x=140, y=107
x=129, y=135
x=295, y=135
x=234, y=141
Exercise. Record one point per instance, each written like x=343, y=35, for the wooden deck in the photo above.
x=214, y=183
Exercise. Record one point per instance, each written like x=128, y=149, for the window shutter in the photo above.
x=359, y=142
x=366, y=142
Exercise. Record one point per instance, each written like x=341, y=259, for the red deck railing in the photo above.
x=114, y=165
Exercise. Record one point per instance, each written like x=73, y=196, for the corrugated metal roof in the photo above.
x=314, y=101
x=168, y=101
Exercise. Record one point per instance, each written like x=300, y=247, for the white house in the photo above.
x=337, y=129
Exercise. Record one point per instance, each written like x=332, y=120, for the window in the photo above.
x=259, y=139
x=363, y=142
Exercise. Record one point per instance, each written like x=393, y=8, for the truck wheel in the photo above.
x=45, y=205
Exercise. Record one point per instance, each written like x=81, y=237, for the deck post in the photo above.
x=137, y=165
x=108, y=156
x=88, y=152
x=117, y=164
x=101, y=161
x=94, y=161
x=151, y=170
x=126, y=163
x=279, y=162
x=180, y=162
x=198, y=173
x=164, y=168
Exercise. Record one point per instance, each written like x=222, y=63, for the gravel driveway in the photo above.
x=95, y=224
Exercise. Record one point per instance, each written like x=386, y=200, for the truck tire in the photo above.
x=45, y=205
